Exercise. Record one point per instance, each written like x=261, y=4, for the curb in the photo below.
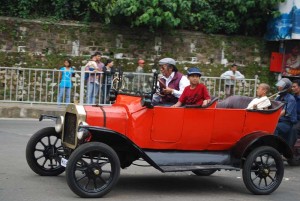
x=13, y=110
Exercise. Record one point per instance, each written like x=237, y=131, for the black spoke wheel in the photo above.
x=263, y=170
x=204, y=172
x=92, y=170
x=42, y=152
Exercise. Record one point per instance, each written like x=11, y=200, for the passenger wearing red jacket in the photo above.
x=196, y=93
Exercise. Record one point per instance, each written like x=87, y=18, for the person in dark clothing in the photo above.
x=296, y=128
x=171, y=84
x=288, y=116
x=108, y=73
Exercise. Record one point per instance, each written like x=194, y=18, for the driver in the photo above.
x=171, y=84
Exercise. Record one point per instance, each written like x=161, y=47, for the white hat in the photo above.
x=167, y=61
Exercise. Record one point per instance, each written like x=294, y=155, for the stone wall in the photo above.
x=40, y=37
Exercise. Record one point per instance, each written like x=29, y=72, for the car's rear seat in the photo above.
x=241, y=102
x=235, y=102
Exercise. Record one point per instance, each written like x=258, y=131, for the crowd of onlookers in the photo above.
x=97, y=75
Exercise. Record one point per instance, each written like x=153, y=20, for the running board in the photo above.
x=181, y=158
x=197, y=167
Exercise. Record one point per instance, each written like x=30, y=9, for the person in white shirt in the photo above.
x=171, y=84
x=230, y=77
x=262, y=102
x=139, y=79
x=140, y=68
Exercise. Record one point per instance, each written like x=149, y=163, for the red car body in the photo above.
x=180, y=128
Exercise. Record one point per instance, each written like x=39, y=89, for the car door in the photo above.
x=228, y=128
x=197, y=128
x=167, y=124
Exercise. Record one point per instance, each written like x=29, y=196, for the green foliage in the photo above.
x=210, y=16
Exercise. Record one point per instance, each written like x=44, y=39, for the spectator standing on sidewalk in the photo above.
x=98, y=56
x=108, y=73
x=93, y=79
x=65, y=79
x=230, y=77
x=140, y=68
x=139, y=79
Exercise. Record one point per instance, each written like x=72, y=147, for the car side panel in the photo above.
x=258, y=121
x=228, y=128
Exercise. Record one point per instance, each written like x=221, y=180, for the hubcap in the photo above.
x=93, y=171
x=96, y=171
x=263, y=171
x=50, y=151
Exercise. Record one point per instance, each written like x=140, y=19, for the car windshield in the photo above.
x=133, y=83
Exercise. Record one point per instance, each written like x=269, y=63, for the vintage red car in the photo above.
x=92, y=143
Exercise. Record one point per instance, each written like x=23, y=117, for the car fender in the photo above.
x=118, y=142
x=251, y=141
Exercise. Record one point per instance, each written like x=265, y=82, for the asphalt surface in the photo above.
x=19, y=183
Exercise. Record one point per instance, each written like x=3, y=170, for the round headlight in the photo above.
x=59, y=124
x=82, y=132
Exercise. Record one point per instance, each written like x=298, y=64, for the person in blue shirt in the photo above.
x=296, y=92
x=65, y=85
x=288, y=116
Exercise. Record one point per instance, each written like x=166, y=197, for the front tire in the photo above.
x=42, y=152
x=263, y=170
x=93, y=170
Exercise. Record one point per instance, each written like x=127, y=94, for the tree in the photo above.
x=248, y=17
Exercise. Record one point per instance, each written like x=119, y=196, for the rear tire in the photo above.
x=293, y=162
x=263, y=170
x=93, y=170
x=207, y=172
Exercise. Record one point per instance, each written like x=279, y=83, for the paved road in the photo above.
x=19, y=183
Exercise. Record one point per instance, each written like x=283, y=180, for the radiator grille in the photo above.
x=70, y=128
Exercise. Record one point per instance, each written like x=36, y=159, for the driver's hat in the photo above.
x=193, y=71
x=167, y=61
